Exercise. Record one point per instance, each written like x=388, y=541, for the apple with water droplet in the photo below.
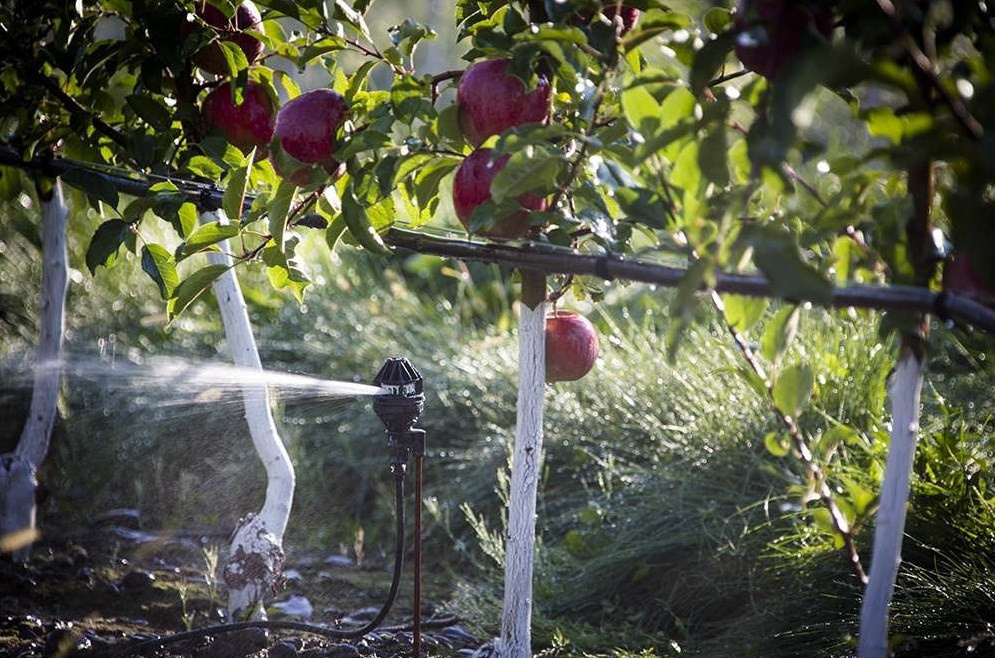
x=472, y=187
x=772, y=32
x=306, y=129
x=491, y=100
x=247, y=125
x=571, y=346
x=246, y=17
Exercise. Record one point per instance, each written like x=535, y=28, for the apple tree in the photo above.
x=816, y=143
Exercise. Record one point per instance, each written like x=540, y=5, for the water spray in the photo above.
x=398, y=406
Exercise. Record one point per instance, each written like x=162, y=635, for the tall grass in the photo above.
x=663, y=522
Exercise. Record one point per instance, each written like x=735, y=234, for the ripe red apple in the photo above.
x=306, y=128
x=247, y=125
x=472, y=187
x=491, y=100
x=247, y=17
x=772, y=32
x=571, y=346
x=959, y=275
x=630, y=15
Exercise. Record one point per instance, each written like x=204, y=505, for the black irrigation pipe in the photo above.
x=557, y=260
x=554, y=260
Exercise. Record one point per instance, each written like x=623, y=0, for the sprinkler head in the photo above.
x=398, y=408
x=403, y=401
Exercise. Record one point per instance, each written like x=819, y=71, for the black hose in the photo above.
x=329, y=633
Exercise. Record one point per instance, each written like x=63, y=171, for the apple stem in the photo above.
x=17, y=469
x=262, y=535
x=516, y=619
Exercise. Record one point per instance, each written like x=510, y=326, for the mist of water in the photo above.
x=169, y=381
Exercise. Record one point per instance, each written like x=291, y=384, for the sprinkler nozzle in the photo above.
x=399, y=408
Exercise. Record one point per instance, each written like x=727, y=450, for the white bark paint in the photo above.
x=890, y=522
x=256, y=551
x=516, y=618
x=17, y=471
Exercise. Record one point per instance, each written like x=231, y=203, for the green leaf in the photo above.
x=207, y=235
x=93, y=184
x=104, y=244
x=238, y=182
x=204, y=166
x=187, y=292
x=718, y=20
x=709, y=60
x=527, y=170
x=779, y=333
x=151, y=111
x=408, y=96
x=641, y=109
x=334, y=231
x=778, y=257
x=793, y=389
x=777, y=444
x=743, y=313
x=359, y=224
x=713, y=155
x=187, y=215
x=234, y=57
x=319, y=48
x=158, y=263
x=279, y=208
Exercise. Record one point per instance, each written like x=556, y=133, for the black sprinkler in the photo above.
x=398, y=407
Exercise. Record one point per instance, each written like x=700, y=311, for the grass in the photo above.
x=664, y=525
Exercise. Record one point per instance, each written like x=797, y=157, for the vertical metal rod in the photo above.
x=419, y=459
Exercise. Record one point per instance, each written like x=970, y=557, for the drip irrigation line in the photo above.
x=329, y=633
x=558, y=260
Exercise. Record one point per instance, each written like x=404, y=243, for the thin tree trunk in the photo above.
x=516, y=619
x=17, y=470
x=905, y=391
x=890, y=522
x=256, y=554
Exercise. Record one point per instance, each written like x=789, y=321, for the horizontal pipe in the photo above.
x=557, y=260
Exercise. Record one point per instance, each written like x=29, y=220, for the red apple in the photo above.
x=247, y=125
x=492, y=100
x=571, y=346
x=772, y=32
x=306, y=126
x=247, y=17
x=630, y=15
x=959, y=275
x=472, y=187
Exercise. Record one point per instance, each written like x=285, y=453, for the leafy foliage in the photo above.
x=657, y=140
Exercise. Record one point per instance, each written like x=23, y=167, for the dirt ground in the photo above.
x=94, y=593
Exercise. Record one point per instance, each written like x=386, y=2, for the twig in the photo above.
x=74, y=106
x=727, y=77
x=839, y=521
x=923, y=64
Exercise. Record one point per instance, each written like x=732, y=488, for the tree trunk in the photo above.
x=516, y=618
x=256, y=554
x=905, y=390
x=17, y=470
x=890, y=523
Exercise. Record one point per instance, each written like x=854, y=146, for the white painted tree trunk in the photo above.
x=17, y=470
x=256, y=553
x=516, y=618
x=890, y=522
